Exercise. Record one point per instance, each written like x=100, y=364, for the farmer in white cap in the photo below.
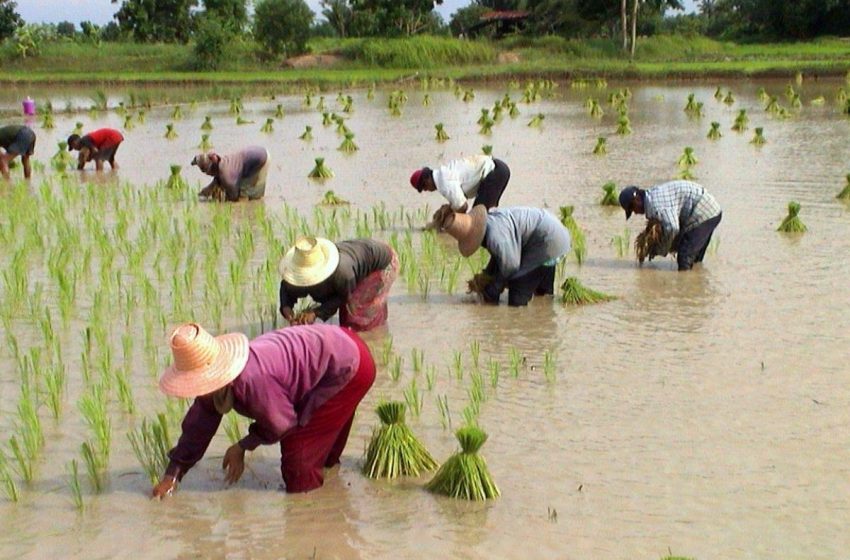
x=524, y=245
x=481, y=177
x=300, y=385
x=353, y=277
x=235, y=176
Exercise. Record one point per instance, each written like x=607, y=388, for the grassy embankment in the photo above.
x=367, y=60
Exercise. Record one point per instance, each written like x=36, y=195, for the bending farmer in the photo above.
x=98, y=146
x=353, y=277
x=479, y=176
x=16, y=140
x=688, y=215
x=524, y=244
x=235, y=176
x=300, y=385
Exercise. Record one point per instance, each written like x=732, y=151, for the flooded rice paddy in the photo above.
x=703, y=413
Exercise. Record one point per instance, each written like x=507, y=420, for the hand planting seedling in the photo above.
x=601, y=147
x=714, y=132
x=441, y=135
x=792, y=222
x=759, y=138
x=574, y=293
x=348, y=146
x=609, y=198
x=478, y=283
x=648, y=242
x=308, y=133
x=268, y=127
x=170, y=133
x=394, y=450
x=465, y=475
x=320, y=171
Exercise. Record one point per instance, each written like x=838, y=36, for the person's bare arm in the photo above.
x=25, y=160
x=4, y=164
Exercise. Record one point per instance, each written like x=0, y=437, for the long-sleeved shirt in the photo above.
x=680, y=206
x=522, y=239
x=458, y=180
x=358, y=258
x=233, y=168
x=289, y=374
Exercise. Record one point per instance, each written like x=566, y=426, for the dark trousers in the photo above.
x=493, y=185
x=538, y=282
x=692, y=245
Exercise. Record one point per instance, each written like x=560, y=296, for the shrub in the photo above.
x=211, y=38
x=282, y=26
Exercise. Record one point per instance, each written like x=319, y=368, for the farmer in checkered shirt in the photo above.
x=688, y=216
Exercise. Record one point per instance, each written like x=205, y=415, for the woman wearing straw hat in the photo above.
x=353, y=277
x=524, y=245
x=235, y=176
x=300, y=385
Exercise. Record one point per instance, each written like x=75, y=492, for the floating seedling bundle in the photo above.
x=175, y=180
x=78, y=129
x=485, y=116
x=268, y=127
x=393, y=450
x=601, y=147
x=331, y=199
x=714, y=132
x=609, y=198
x=205, y=143
x=240, y=120
x=596, y=110
x=170, y=133
x=648, y=242
x=47, y=121
x=308, y=133
x=176, y=113
x=62, y=158
x=487, y=127
x=792, y=222
x=487, y=150
x=758, y=138
x=574, y=293
x=845, y=194
x=278, y=112
x=742, y=121
x=441, y=135
x=320, y=171
x=465, y=474
x=624, y=126
x=688, y=159
x=348, y=146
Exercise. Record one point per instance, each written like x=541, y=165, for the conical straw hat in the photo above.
x=310, y=261
x=468, y=229
x=202, y=363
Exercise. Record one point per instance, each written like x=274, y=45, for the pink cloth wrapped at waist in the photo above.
x=366, y=307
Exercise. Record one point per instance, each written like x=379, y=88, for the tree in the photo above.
x=66, y=29
x=339, y=15
x=466, y=17
x=211, y=38
x=233, y=14
x=156, y=20
x=393, y=17
x=283, y=26
x=9, y=19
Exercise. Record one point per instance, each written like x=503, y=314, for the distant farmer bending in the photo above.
x=98, y=146
x=235, y=176
x=16, y=140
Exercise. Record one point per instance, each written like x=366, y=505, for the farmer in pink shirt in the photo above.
x=301, y=386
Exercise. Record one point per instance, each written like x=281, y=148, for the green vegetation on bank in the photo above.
x=366, y=60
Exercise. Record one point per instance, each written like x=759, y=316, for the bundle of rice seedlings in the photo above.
x=574, y=293
x=268, y=127
x=536, y=120
x=688, y=159
x=742, y=121
x=128, y=122
x=609, y=198
x=588, y=104
x=819, y=100
x=624, y=126
x=477, y=283
x=596, y=110
x=176, y=113
x=601, y=146
x=175, y=180
x=691, y=105
x=718, y=94
x=841, y=95
x=348, y=146
x=798, y=78
x=772, y=105
x=485, y=116
x=320, y=171
x=236, y=106
x=370, y=93
x=845, y=194
x=487, y=150
x=141, y=116
x=789, y=92
x=326, y=119
x=846, y=109
x=686, y=174
x=393, y=450
x=205, y=144
x=170, y=133
x=62, y=158
x=308, y=99
x=792, y=222
x=566, y=216
x=441, y=135
x=647, y=243
x=240, y=120
x=487, y=127
x=207, y=124
x=759, y=138
x=278, y=112
x=331, y=199
x=497, y=111
x=426, y=100
x=729, y=99
x=468, y=95
x=78, y=129
x=465, y=474
x=47, y=121
x=514, y=112
x=762, y=95
x=308, y=133
x=796, y=102
x=348, y=104
x=714, y=132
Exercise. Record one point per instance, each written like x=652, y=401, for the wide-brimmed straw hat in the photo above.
x=310, y=261
x=202, y=363
x=468, y=229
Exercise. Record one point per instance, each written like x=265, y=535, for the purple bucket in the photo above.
x=29, y=107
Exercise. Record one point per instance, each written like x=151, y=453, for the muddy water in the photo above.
x=705, y=413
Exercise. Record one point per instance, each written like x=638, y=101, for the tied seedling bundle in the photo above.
x=718, y=94
x=177, y=113
x=78, y=129
x=320, y=106
x=792, y=222
x=393, y=450
x=268, y=128
x=485, y=116
x=624, y=125
x=331, y=199
x=729, y=99
x=845, y=194
x=175, y=180
x=714, y=132
x=465, y=474
x=326, y=119
x=609, y=198
x=514, y=112
x=236, y=106
x=207, y=124
x=688, y=159
x=170, y=133
x=574, y=293
x=426, y=100
x=62, y=158
x=742, y=121
x=278, y=112
x=596, y=110
x=308, y=134
x=348, y=146
x=758, y=138
x=487, y=127
x=205, y=143
x=762, y=95
x=648, y=242
x=128, y=122
x=320, y=171
x=692, y=108
x=240, y=121
x=601, y=147
x=537, y=120
x=47, y=121
x=441, y=135
x=487, y=150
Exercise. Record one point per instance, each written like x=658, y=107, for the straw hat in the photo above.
x=468, y=229
x=202, y=363
x=310, y=261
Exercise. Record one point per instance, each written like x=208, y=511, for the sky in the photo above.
x=101, y=11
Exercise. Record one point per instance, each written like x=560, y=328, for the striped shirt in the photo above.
x=680, y=206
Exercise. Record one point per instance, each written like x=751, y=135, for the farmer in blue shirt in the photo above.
x=688, y=216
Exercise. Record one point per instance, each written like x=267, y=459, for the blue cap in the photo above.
x=627, y=195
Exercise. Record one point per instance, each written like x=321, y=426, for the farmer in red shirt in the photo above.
x=99, y=145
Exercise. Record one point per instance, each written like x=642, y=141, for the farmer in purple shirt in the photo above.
x=235, y=176
x=300, y=385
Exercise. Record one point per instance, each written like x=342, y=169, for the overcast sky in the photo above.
x=101, y=11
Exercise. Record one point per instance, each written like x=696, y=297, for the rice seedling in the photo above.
x=74, y=484
x=596, y=110
x=47, y=121
x=487, y=127
x=176, y=180
x=240, y=120
x=445, y=413
x=331, y=199
x=413, y=398
x=386, y=351
x=457, y=364
x=687, y=159
x=176, y=113
x=205, y=144
x=487, y=150
x=729, y=99
x=601, y=147
x=426, y=100
x=514, y=110
x=417, y=356
x=537, y=120
x=624, y=126
x=441, y=135
x=742, y=121
x=465, y=475
x=348, y=146
x=94, y=466
x=23, y=460
x=54, y=382
x=475, y=349
x=495, y=368
x=268, y=127
x=150, y=443
x=308, y=133
x=78, y=128
x=320, y=170
x=516, y=361
x=431, y=377
x=714, y=132
x=758, y=137
x=845, y=193
x=10, y=488
x=549, y=366
x=170, y=133
x=609, y=198
x=573, y=292
x=792, y=222
x=396, y=367
x=394, y=450
x=92, y=405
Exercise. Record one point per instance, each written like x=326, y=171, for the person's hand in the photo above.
x=464, y=208
x=287, y=313
x=234, y=463
x=165, y=487
x=305, y=318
